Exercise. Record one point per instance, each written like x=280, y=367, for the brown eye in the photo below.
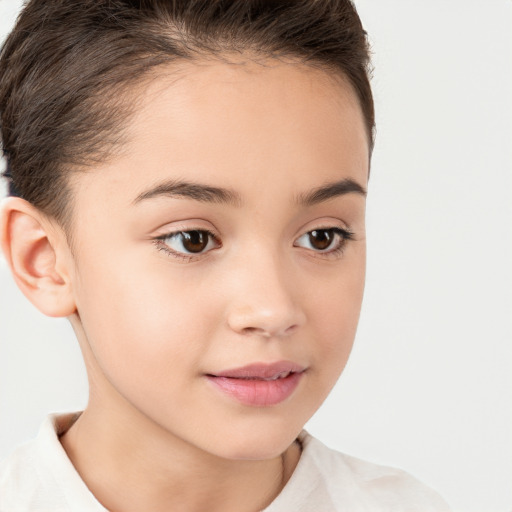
x=328, y=240
x=321, y=239
x=194, y=241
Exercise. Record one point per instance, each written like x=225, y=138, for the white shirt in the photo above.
x=39, y=477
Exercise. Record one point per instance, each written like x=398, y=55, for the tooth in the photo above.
x=281, y=375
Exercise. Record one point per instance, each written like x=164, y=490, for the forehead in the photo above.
x=243, y=125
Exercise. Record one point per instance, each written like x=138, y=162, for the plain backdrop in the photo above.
x=429, y=384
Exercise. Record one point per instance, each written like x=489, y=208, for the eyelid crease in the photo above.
x=173, y=232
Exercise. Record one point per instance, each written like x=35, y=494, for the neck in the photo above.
x=157, y=471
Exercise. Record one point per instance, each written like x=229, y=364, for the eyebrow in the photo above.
x=196, y=191
x=330, y=191
x=211, y=194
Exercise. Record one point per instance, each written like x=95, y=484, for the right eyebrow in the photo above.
x=187, y=189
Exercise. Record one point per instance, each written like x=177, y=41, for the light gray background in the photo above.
x=429, y=384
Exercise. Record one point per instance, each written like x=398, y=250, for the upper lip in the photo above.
x=261, y=370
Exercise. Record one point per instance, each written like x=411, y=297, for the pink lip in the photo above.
x=259, y=384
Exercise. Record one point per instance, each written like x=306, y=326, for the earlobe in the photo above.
x=34, y=251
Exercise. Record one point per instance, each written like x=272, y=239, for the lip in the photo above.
x=259, y=384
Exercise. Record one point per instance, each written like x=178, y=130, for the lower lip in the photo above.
x=257, y=392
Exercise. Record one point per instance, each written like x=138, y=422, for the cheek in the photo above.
x=139, y=322
x=334, y=314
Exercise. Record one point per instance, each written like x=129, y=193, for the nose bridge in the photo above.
x=265, y=302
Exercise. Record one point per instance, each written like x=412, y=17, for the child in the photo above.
x=188, y=184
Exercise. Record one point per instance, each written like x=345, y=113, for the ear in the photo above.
x=38, y=255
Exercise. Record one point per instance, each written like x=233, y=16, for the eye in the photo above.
x=328, y=240
x=184, y=243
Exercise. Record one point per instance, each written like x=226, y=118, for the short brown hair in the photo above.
x=63, y=67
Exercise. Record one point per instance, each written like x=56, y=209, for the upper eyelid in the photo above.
x=166, y=232
x=345, y=231
x=173, y=232
x=327, y=222
x=170, y=232
x=187, y=230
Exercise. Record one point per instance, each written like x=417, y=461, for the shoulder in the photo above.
x=19, y=479
x=38, y=476
x=353, y=484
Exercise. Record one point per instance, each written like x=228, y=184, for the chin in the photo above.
x=256, y=442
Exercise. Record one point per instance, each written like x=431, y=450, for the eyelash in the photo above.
x=162, y=246
x=345, y=235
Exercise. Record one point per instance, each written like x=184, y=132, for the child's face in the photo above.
x=160, y=319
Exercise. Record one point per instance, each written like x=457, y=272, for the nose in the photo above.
x=266, y=301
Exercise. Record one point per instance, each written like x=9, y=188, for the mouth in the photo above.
x=259, y=384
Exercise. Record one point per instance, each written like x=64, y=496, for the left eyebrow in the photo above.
x=330, y=191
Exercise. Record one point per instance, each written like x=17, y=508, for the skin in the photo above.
x=156, y=435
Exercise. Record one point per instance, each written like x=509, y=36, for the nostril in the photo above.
x=268, y=333
x=291, y=329
x=266, y=321
x=255, y=330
